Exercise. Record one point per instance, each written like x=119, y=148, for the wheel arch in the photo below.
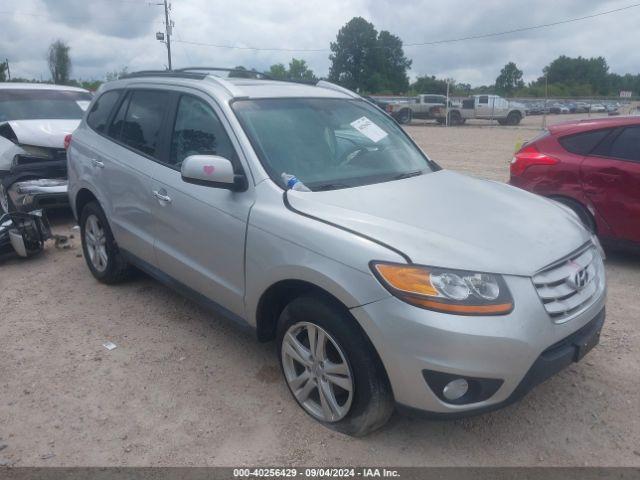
x=277, y=296
x=82, y=198
x=567, y=200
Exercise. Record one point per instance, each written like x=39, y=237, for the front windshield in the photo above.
x=328, y=143
x=36, y=104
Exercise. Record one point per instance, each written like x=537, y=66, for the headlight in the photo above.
x=451, y=291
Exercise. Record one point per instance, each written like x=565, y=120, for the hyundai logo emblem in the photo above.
x=579, y=279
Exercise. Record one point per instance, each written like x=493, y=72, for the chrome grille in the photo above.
x=570, y=284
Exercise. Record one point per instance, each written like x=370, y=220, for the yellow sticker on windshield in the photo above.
x=369, y=129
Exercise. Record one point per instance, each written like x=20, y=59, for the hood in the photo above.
x=446, y=219
x=43, y=133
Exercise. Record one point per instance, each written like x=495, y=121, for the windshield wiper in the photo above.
x=329, y=186
x=415, y=173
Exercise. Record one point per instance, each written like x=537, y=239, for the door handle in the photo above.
x=161, y=196
x=97, y=163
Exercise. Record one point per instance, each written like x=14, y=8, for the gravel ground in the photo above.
x=186, y=388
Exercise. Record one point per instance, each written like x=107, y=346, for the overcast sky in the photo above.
x=106, y=35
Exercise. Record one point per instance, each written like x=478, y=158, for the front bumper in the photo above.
x=521, y=349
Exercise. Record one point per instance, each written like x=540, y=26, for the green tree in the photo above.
x=59, y=62
x=509, y=80
x=300, y=72
x=363, y=59
x=353, y=55
x=3, y=71
x=575, y=73
x=278, y=72
x=429, y=84
x=391, y=64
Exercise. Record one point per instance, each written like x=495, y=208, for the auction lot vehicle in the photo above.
x=422, y=107
x=484, y=107
x=309, y=215
x=34, y=121
x=591, y=166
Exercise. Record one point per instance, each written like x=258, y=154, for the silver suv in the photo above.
x=310, y=215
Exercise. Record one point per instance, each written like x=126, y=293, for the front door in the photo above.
x=200, y=230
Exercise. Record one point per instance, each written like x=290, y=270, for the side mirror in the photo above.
x=212, y=171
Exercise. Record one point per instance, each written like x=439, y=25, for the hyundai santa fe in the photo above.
x=308, y=214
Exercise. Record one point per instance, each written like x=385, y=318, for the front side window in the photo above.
x=101, y=109
x=484, y=99
x=143, y=121
x=329, y=143
x=198, y=131
x=40, y=104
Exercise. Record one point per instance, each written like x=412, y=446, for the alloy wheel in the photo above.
x=96, y=242
x=317, y=372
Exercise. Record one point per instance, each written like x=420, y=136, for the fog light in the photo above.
x=455, y=389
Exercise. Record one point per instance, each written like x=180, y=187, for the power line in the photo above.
x=421, y=44
x=522, y=29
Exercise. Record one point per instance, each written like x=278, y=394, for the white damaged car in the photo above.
x=34, y=121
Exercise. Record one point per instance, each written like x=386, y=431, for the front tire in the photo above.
x=331, y=368
x=101, y=253
x=405, y=117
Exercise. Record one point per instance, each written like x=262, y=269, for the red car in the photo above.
x=593, y=167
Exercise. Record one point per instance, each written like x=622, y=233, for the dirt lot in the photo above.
x=184, y=388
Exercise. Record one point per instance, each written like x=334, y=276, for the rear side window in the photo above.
x=583, y=143
x=143, y=121
x=101, y=109
x=627, y=145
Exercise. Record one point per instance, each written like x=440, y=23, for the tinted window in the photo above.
x=198, y=131
x=36, y=104
x=115, y=129
x=627, y=145
x=484, y=99
x=143, y=121
x=583, y=143
x=101, y=109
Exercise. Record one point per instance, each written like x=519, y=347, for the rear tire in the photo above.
x=369, y=403
x=101, y=252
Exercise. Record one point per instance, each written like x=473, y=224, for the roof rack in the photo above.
x=165, y=73
x=239, y=73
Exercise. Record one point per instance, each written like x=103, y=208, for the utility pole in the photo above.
x=6, y=61
x=166, y=36
x=168, y=25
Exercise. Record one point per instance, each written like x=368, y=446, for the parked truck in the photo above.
x=422, y=107
x=484, y=107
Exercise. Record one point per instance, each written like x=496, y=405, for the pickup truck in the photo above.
x=422, y=106
x=485, y=107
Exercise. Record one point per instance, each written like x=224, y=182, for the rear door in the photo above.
x=200, y=230
x=124, y=165
x=611, y=180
